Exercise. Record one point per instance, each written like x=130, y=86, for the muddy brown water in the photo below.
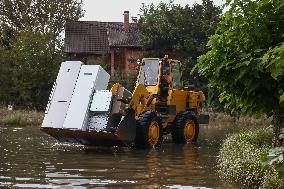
x=32, y=159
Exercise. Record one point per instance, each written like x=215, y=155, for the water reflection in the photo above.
x=154, y=169
x=29, y=158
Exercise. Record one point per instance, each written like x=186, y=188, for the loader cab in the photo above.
x=149, y=71
x=170, y=77
x=159, y=75
x=176, y=74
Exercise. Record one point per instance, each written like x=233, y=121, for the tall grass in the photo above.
x=249, y=120
x=20, y=117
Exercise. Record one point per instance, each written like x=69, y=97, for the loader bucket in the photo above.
x=122, y=134
x=86, y=137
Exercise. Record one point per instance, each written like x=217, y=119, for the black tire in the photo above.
x=183, y=120
x=147, y=119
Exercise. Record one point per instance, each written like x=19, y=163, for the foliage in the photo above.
x=181, y=32
x=177, y=30
x=275, y=157
x=31, y=47
x=246, y=56
x=246, y=63
x=272, y=180
x=36, y=62
x=101, y=60
x=213, y=102
x=128, y=80
x=5, y=73
x=39, y=15
x=239, y=160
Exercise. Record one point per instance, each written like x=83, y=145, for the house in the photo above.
x=119, y=41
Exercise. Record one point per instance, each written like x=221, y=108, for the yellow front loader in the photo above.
x=160, y=104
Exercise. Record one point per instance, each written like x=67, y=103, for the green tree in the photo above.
x=36, y=63
x=39, y=15
x=181, y=32
x=6, y=67
x=31, y=47
x=246, y=60
x=5, y=76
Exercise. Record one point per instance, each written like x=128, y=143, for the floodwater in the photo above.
x=31, y=159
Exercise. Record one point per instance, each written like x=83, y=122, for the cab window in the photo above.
x=166, y=69
x=176, y=75
x=149, y=72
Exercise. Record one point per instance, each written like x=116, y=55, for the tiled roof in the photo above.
x=118, y=37
x=97, y=37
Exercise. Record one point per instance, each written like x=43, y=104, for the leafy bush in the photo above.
x=128, y=80
x=239, y=161
x=275, y=157
x=272, y=180
x=102, y=60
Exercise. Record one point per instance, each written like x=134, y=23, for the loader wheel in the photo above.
x=185, y=128
x=148, y=131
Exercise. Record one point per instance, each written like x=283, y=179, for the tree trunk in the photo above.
x=277, y=123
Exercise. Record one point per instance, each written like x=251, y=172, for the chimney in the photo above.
x=126, y=21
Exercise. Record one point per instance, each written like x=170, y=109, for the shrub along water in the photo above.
x=20, y=117
x=240, y=160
